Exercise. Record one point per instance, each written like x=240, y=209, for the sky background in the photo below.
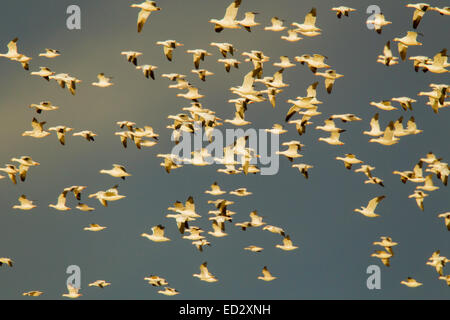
x=335, y=242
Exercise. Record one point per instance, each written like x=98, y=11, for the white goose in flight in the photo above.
x=25, y=163
x=158, y=234
x=405, y=102
x=384, y=256
x=249, y=21
x=411, y=283
x=25, y=204
x=273, y=229
x=218, y=230
x=148, y=70
x=188, y=209
x=43, y=106
x=118, y=171
x=308, y=27
x=386, y=243
x=446, y=217
x=169, y=291
x=287, y=244
x=229, y=20
x=204, y=274
x=253, y=248
x=429, y=185
x=224, y=48
x=198, y=55
x=99, y=283
x=93, y=227
x=385, y=105
x=349, y=160
x=387, y=58
x=378, y=22
x=86, y=134
x=228, y=63
x=73, y=292
x=267, y=276
x=43, y=72
x=419, y=196
x=215, y=190
x=419, y=12
x=342, y=11
x=330, y=77
x=292, y=36
x=109, y=195
x=147, y=8
x=131, y=56
x=61, y=204
x=388, y=139
x=403, y=43
x=303, y=168
x=7, y=261
x=50, y=53
x=61, y=133
x=241, y=192
x=284, y=63
x=292, y=152
x=38, y=130
x=333, y=139
x=277, y=25
x=12, y=50
x=169, y=46
x=369, y=211
x=103, y=81
x=314, y=62
x=156, y=281
x=12, y=171
x=203, y=73
x=375, y=130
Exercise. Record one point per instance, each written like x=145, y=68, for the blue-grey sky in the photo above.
x=334, y=242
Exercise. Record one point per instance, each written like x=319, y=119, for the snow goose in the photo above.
x=249, y=21
x=378, y=22
x=94, y=227
x=131, y=56
x=73, y=292
x=44, y=72
x=148, y=70
x=158, y=234
x=229, y=20
x=403, y=43
x=277, y=25
x=204, y=274
x=61, y=133
x=61, y=204
x=308, y=27
x=86, y=134
x=267, y=276
x=103, y=81
x=25, y=204
x=411, y=283
x=419, y=12
x=50, y=53
x=169, y=46
x=342, y=11
x=369, y=211
x=99, y=283
x=147, y=8
x=118, y=171
x=303, y=168
x=349, y=160
x=333, y=139
x=388, y=139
